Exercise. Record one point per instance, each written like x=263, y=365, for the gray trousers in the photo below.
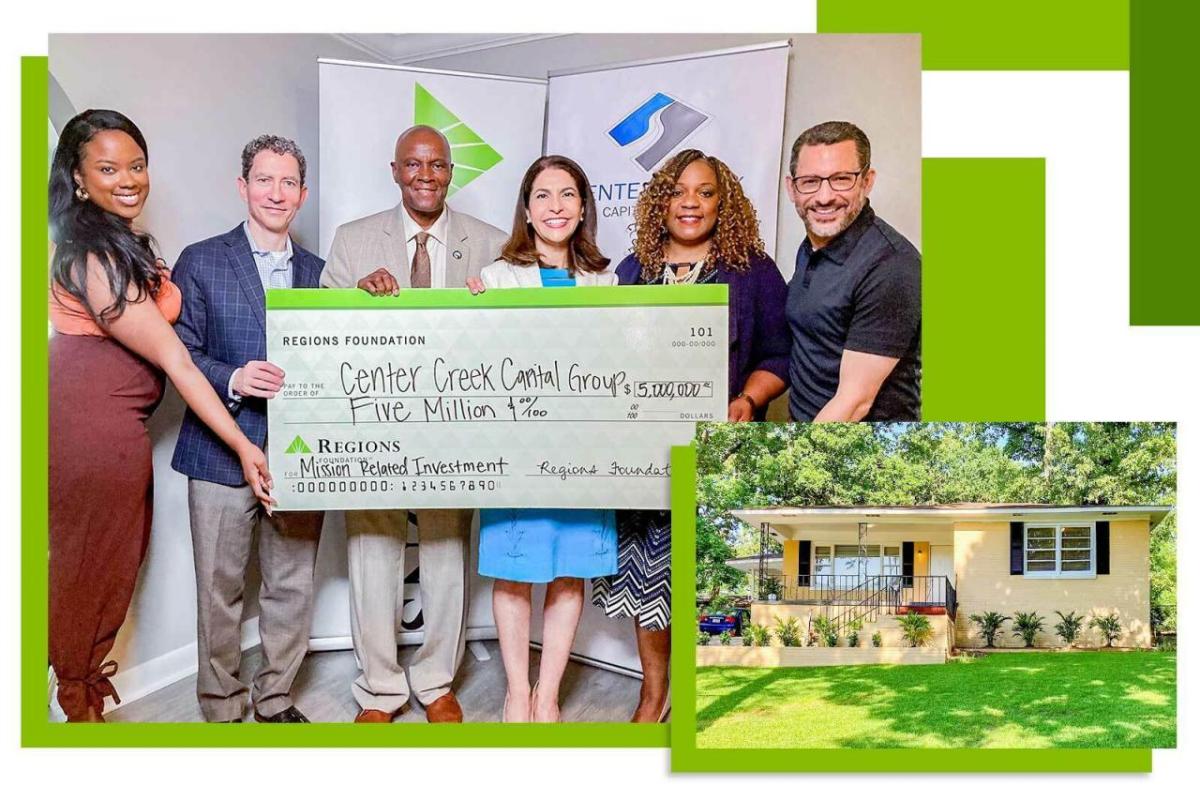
x=223, y=523
x=375, y=544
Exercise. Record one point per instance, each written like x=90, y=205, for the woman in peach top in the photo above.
x=111, y=305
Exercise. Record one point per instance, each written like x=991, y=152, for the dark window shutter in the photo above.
x=1101, y=547
x=805, y=562
x=906, y=563
x=1016, y=548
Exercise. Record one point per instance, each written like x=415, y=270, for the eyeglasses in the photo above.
x=838, y=182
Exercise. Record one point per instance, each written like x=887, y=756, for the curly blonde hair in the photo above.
x=735, y=238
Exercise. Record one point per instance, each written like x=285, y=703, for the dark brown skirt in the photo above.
x=101, y=489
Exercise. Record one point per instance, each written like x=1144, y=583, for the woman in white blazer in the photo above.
x=554, y=228
x=553, y=243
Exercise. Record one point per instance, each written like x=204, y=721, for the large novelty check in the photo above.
x=527, y=398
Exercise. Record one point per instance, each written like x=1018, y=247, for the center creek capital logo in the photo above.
x=472, y=156
x=677, y=120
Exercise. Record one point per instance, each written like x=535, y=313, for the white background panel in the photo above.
x=1111, y=371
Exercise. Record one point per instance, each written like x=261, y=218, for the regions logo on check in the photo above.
x=677, y=122
x=298, y=446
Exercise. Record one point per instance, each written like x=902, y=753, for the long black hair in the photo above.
x=80, y=227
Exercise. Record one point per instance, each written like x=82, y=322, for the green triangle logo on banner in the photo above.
x=298, y=446
x=471, y=155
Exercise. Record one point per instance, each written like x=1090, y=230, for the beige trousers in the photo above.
x=223, y=522
x=375, y=544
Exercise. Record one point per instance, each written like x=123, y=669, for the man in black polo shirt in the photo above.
x=854, y=302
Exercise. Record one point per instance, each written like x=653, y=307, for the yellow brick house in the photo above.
x=861, y=566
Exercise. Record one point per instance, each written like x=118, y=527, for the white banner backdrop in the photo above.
x=494, y=124
x=622, y=122
x=495, y=127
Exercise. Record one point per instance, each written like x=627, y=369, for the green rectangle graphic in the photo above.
x=989, y=35
x=1164, y=284
x=984, y=290
x=35, y=370
x=523, y=298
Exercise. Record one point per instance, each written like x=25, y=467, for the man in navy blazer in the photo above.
x=223, y=324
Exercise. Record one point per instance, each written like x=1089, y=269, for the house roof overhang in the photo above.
x=786, y=519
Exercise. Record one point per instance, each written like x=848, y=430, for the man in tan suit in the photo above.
x=418, y=244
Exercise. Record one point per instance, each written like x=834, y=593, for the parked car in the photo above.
x=732, y=621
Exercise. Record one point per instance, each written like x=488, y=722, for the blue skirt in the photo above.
x=540, y=545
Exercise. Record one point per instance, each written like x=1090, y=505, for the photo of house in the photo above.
x=863, y=565
x=936, y=585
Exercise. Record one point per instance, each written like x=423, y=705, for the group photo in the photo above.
x=322, y=449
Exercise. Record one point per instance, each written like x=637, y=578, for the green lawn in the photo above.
x=1038, y=700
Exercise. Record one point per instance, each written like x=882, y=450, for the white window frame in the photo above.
x=1058, y=572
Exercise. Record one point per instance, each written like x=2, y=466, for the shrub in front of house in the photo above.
x=1068, y=626
x=1027, y=626
x=831, y=639
x=877, y=640
x=787, y=631
x=1109, y=626
x=726, y=638
x=989, y=626
x=760, y=634
x=703, y=637
x=916, y=629
x=822, y=626
x=852, y=637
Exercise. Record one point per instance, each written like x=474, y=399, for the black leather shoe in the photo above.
x=289, y=715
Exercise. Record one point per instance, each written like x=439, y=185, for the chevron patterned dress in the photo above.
x=641, y=588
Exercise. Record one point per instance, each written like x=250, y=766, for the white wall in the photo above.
x=198, y=100
x=871, y=80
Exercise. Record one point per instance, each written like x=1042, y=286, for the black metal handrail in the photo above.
x=865, y=598
x=873, y=590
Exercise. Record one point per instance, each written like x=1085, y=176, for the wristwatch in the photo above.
x=750, y=400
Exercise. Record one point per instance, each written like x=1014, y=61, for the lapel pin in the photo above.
x=457, y=254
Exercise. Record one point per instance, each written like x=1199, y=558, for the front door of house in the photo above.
x=941, y=562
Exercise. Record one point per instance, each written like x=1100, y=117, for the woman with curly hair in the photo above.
x=694, y=226
x=111, y=306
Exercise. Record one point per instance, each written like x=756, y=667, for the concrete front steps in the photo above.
x=773, y=656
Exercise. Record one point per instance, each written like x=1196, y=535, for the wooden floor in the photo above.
x=322, y=691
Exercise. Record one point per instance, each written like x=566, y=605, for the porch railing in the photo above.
x=891, y=593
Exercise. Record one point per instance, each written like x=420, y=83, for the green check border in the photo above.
x=522, y=298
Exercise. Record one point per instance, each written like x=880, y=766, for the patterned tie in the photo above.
x=420, y=263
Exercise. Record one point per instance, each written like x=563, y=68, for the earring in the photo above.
x=81, y=193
